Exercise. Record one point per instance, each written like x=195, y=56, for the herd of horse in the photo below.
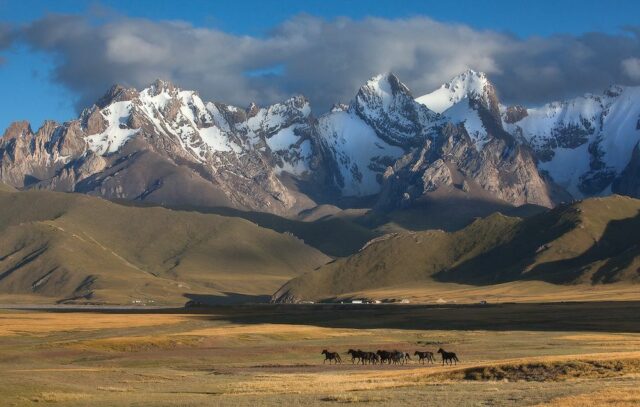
x=389, y=357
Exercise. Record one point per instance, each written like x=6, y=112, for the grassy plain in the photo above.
x=512, y=354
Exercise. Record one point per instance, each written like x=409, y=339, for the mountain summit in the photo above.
x=469, y=85
x=168, y=146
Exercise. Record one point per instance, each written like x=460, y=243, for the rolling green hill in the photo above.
x=596, y=241
x=71, y=247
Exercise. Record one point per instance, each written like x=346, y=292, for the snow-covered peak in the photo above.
x=469, y=84
x=161, y=86
x=117, y=93
x=387, y=105
x=584, y=142
x=273, y=118
x=383, y=88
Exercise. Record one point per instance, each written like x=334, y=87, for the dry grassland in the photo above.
x=253, y=357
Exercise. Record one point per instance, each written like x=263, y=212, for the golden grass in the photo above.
x=136, y=343
x=58, y=397
x=603, y=397
x=354, y=398
x=275, y=331
x=24, y=323
x=554, y=368
x=200, y=360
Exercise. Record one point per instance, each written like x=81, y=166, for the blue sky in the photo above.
x=38, y=91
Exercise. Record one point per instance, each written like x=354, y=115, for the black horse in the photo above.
x=448, y=357
x=385, y=356
x=406, y=357
x=331, y=356
x=370, y=357
x=396, y=357
x=356, y=355
x=422, y=356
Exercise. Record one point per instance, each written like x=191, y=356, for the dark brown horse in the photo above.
x=331, y=356
x=385, y=356
x=370, y=357
x=448, y=357
x=397, y=357
x=356, y=355
x=422, y=356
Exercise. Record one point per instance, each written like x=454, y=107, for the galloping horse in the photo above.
x=370, y=357
x=331, y=356
x=448, y=357
x=356, y=355
x=397, y=357
x=385, y=356
x=422, y=356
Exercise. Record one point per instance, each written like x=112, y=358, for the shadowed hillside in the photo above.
x=330, y=234
x=68, y=247
x=593, y=241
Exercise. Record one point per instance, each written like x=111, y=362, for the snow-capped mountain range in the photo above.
x=168, y=146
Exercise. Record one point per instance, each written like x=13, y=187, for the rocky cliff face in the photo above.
x=451, y=164
x=389, y=108
x=166, y=145
x=585, y=143
x=628, y=182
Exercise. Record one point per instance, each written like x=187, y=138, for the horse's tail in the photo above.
x=338, y=357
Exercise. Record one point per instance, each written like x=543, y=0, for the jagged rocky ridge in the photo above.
x=168, y=146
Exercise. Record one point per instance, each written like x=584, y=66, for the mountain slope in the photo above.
x=470, y=156
x=163, y=143
x=585, y=143
x=592, y=242
x=167, y=146
x=68, y=247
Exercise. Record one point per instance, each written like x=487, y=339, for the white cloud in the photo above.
x=631, y=67
x=326, y=60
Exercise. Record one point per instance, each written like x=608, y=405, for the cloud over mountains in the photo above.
x=326, y=60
